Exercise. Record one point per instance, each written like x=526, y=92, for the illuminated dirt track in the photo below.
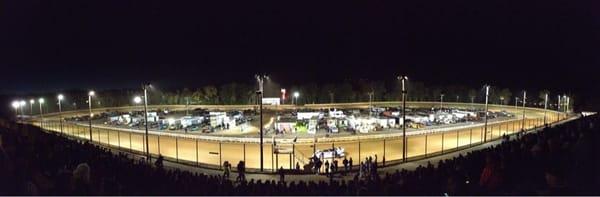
x=211, y=151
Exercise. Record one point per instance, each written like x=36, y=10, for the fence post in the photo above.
x=220, y=157
x=442, y=142
x=457, y=134
x=244, y=152
x=158, y=144
x=470, y=137
x=334, y=153
x=130, y=148
x=481, y=140
x=108, y=137
x=119, y=139
x=197, y=162
x=427, y=134
x=383, y=152
x=177, y=149
x=359, y=158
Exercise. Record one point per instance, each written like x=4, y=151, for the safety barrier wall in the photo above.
x=212, y=153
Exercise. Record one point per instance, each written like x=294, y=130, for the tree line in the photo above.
x=245, y=93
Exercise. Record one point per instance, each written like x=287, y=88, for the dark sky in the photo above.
x=49, y=45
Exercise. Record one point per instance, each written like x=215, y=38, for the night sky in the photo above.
x=52, y=45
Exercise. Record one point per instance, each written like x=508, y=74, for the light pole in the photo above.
x=501, y=100
x=41, y=102
x=558, y=109
x=567, y=105
x=404, y=148
x=524, y=101
x=145, y=87
x=516, y=101
x=441, y=102
x=331, y=97
x=487, y=95
x=21, y=104
x=472, y=101
x=260, y=93
x=545, y=106
x=60, y=98
x=187, y=106
x=15, y=104
x=31, y=102
x=371, y=101
x=90, y=94
x=296, y=95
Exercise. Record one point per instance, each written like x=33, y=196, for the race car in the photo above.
x=337, y=152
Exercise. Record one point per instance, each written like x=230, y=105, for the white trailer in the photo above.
x=187, y=121
x=309, y=115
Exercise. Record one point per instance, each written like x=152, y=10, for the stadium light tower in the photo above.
x=524, y=101
x=260, y=93
x=145, y=88
x=545, y=106
x=487, y=95
x=41, y=102
x=90, y=95
x=403, y=79
x=31, y=102
x=60, y=98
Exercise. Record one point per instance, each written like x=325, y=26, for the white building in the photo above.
x=271, y=101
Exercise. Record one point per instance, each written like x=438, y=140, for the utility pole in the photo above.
x=371, y=102
x=403, y=79
x=545, y=106
x=187, y=106
x=524, y=101
x=441, y=102
x=60, y=98
x=90, y=94
x=260, y=93
x=145, y=87
x=487, y=95
x=331, y=97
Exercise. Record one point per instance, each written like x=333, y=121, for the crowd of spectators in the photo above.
x=558, y=160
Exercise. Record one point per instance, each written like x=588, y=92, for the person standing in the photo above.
x=326, y=167
x=345, y=162
x=361, y=170
x=350, y=163
x=332, y=169
x=281, y=175
x=226, y=170
x=335, y=164
x=240, y=169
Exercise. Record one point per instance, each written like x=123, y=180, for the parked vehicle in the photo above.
x=337, y=152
